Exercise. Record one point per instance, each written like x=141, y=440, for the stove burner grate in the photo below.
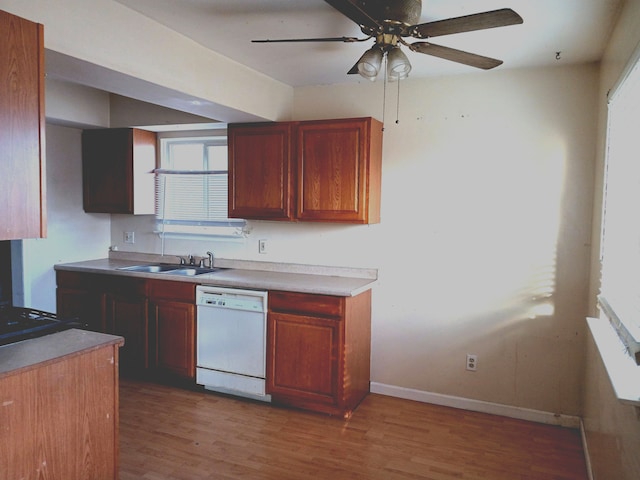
x=18, y=323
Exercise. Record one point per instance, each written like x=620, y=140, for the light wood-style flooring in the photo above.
x=169, y=433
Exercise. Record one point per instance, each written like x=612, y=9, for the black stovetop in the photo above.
x=18, y=323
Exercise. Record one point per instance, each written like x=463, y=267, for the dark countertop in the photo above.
x=322, y=284
x=20, y=356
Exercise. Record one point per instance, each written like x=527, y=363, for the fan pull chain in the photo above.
x=384, y=91
x=398, y=104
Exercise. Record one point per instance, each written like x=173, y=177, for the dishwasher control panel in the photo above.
x=254, y=301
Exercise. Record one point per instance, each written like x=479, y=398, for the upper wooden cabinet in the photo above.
x=22, y=183
x=117, y=170
x=260, y=180
x=325, y=170
x=339, y=164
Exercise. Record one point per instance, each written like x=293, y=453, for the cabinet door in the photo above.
x=338, y=164
x=127, y=317
x=303, y=359
x=260, y=177
x=86, y=305
x=22, y=183
x=117, y=166
x=173, y=338
x=81, y=295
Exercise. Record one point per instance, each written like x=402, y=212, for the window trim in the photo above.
x=627, y=330
x=226, y=229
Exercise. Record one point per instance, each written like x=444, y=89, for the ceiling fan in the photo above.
x=389, y=22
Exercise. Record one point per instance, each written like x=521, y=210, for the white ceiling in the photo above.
x=578, y=29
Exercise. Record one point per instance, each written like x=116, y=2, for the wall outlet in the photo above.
x=262, y=246
x=472, y=362
x=129, y=237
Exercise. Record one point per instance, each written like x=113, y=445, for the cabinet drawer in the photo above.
x=127, y=286
x=167, y=290
x=304, y=303
x=78, y=280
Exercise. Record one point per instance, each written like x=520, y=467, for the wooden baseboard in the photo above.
x=477, y=405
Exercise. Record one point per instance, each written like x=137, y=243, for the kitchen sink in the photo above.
x=184, y=270
x=151, y=268
x=189, y=271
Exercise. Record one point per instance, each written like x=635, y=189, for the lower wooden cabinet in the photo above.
x=172, y=319
x=59, y=415
x=80, y=295
x=318, y=346
x=157, y=319
x=318, y=351
x=126, y=316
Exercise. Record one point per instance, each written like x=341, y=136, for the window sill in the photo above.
x=199, y=231
x=621, y=368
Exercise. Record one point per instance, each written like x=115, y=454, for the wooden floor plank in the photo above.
x=175, y=434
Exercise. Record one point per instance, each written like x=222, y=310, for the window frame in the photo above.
x=626, y=325
x=222, y=228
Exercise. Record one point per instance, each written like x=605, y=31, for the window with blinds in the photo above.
x=620, y=255
x=191, y=187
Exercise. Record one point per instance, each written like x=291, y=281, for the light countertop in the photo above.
x=253, y=275
x=20, y=356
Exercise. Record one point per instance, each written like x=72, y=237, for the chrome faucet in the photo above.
x=202, y=265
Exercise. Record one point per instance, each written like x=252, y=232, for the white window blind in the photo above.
x=198, y=197
x=192, y=187
x=620, y=255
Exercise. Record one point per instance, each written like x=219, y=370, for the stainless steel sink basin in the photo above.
x=150, y=268
x=185, y=270
x=189, y=271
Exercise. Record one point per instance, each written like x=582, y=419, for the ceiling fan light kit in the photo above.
x=389, y=22
x=370, y=63
x=398, y=66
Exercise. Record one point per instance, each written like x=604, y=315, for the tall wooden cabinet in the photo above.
x=323, y=171
x=117, y=170
x=22, y=129
x=318, y=351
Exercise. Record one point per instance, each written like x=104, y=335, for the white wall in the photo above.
x=72, y=234
x=80, y=35
x=485, y=231
x=76, y=105
x=484, y=241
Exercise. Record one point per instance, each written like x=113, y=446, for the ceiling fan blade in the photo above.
x=330, y=39
x=454, y=55
x=468, y=23
x=351, y=10
x=354, y=69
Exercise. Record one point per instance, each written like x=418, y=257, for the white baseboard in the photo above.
x=585, y=448
x=476, y=405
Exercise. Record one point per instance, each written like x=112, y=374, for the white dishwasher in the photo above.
x=231, y=341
